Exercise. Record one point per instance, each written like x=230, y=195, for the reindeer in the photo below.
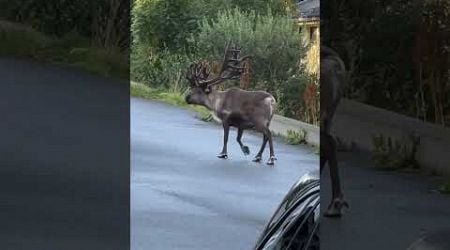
x=332, y=79
x=234, y=107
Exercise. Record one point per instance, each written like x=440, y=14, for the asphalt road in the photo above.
x=64, y=159
x=387, y=211
x=183, y=197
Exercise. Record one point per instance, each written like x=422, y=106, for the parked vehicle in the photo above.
x=295, y=223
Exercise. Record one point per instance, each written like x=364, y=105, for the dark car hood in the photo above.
x=299, y=210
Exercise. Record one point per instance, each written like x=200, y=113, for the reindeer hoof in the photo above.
x=336, y=207
x=222, y=156
x=271, y=160
x=257, y=159
x=246, y=150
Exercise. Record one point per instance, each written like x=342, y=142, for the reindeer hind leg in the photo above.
x=258, y=156
x=272, y=158
x=329, y=155
x=244, y=148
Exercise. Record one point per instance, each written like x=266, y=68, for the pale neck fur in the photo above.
x=214, y=99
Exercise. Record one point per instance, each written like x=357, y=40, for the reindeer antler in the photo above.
x=198, y=72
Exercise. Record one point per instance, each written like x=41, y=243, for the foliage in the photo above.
x=273, y=43
x=397, y=53
x=173, y=98
x=263, y=7
x=311, y=92
x=142, y=91
x=394, y=155
x=22, y=41
x=163, y=24
x=445, y=187
x=106, y=22
x=270, y=40
x=296, y=137
x=168, y=36
x=168, y=24
x=293, y=99
x=91, y=35
x=159, y=69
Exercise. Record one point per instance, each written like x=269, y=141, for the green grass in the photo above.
x=316, y=150
x=296, y=137
x=173, y=98
x=445, y=187
x=395, y=155
x=17, y=40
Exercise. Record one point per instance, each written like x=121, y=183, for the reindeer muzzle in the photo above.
x=188, y=99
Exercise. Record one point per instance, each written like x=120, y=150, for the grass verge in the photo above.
x=395, y=155
x=18, y=40
x=296, y=137
x=177, y=99
x=173, y=98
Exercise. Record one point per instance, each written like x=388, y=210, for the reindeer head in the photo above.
x=198, y=75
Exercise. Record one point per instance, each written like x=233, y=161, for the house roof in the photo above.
x=308, y=9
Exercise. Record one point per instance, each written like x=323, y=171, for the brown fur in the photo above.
x=241, y=109
x=332, y=80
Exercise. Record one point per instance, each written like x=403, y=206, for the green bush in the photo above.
x=105, y=22
x=296, y=137
x=405, y=73
x=445, y=187
x=168, y=37
x=159, y=69
x=271, y=40
x=169, y=23
x=163, y=24
x=19, y=40
x=394, y=155
x=24, y=42
x=290, y=97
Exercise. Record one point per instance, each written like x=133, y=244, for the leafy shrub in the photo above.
x=296, y=137
x=20, y=40
x=163, y=24
x=273, y=43
x=106, y=22
x=271, y=40
x=168, y=24
x=405, y=73
x=168, y=36
x=394, y=155
x=445, y=187
x=159, y=69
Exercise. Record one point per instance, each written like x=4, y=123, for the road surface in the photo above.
x=64, y=159
x=387, y=210
x=183, y=197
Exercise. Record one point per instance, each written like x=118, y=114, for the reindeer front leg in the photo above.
x=226, y=131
